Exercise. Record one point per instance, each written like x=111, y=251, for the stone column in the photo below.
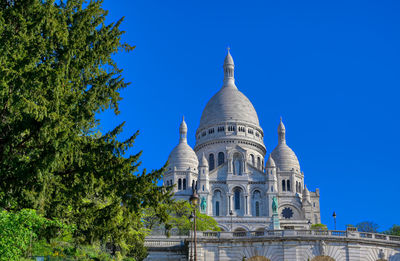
x=248, y=207
x=228, y=206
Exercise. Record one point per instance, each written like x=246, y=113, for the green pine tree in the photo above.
x=56, y=74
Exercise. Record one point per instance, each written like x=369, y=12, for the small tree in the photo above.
x=367, y=226
x=19, y=231
x=319, y=227
x=179, y=213
x=394, y=230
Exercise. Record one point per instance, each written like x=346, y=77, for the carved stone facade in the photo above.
x=263, y=208
x=235, y=183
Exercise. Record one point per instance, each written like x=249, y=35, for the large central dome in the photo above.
x=229, y=104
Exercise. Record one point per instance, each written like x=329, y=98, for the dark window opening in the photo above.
x=211, y=162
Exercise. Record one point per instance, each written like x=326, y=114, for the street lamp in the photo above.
x=231, y=213
x=334, y=218
x=191, y=238
x=194, y=199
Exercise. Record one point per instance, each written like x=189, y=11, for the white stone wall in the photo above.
x=300, y=245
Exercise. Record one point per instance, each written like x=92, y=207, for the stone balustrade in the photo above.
x=282, y=245
x=164, y=241
x=298, y=234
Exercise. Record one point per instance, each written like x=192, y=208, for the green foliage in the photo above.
x=180, y=212
x=319, y=227
x=178, y=218
x=20, y=231
x=56, y=74
x=367, y=226
x=394, y=230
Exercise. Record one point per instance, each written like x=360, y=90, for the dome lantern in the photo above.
x=229, y=71
x=183, y=131
x=281, y=133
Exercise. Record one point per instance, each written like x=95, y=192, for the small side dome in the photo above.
x=284, y=157
x=182, y=156
x=270, y=162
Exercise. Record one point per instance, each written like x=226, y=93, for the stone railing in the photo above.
x=297, y=234
x=161, y=241
x=179, y=240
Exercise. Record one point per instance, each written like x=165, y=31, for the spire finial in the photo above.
x=183, y=131
x=229, y=66
x=281, y=133
x=228, y=48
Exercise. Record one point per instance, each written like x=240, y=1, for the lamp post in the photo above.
x=231, y=214
x=191, y=238
x=194, y=199
x=334, y=218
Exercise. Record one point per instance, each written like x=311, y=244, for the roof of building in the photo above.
x=182, y=157
x=284, y=157
x=229, y=104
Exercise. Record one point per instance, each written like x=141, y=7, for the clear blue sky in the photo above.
x=329, y=68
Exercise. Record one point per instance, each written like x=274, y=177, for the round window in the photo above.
x=287, y=213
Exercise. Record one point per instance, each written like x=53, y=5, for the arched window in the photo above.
x=216, y=202
x=221, y=158
x=257, y=209
x=167, y=183
x=211, y=162
x=237, y=164
x=256, y=200
x=297, y=186
x=258, y=163
x=170, y=182
x=237, y=199
x=300, y=187
x=184, y=184
x=288, y=185
x=252, y=160
x=272, y=188
x=179, y=184
x=283, y=185
x=203, y=187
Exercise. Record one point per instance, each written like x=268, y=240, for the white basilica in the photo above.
x=235, y=186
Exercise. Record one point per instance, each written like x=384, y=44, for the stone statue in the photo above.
x=274, y=205
x=203, y=204
x=381, y=254
x=322, y=248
